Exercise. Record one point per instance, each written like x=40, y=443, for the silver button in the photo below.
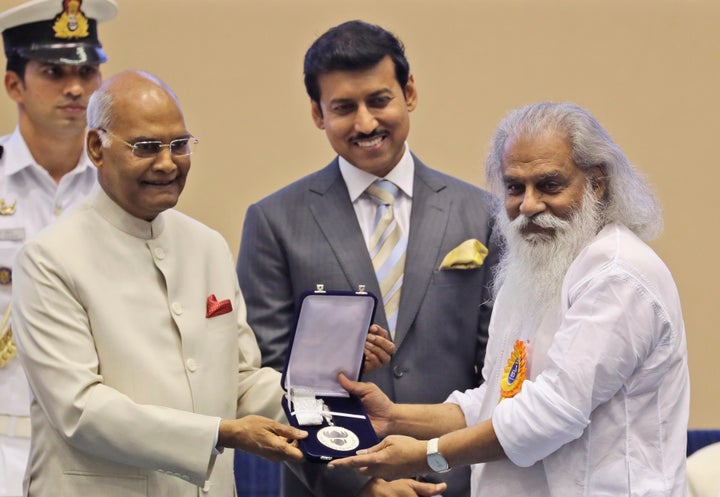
x=159, y=253
x=191, y=365
x=399, y=372
x=176, y=308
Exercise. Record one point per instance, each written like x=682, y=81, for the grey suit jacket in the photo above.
x=307, y=233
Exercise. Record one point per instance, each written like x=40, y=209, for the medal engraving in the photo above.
x=337, y=438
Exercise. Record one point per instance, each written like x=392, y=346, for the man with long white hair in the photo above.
x=586, y=386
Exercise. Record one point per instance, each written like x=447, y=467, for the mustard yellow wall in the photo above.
x=648, y=69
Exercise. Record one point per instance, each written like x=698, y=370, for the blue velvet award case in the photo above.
x=329, y=337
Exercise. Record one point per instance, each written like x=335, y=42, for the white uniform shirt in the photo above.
x=608, y=413
x=38, y=201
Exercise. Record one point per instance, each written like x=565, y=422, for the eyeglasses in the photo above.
x=180, y=147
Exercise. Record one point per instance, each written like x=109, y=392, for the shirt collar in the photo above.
x=123, y=220
x=17, y=156
x=357, y=180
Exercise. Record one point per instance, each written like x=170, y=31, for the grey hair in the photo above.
x=628, y=200
x=99, y=109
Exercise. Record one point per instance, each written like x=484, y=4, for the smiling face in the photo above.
x=365, y=115
x=52, y=98
x=540, y=177
x=141, y=111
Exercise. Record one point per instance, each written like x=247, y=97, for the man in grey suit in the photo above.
x=320, y=229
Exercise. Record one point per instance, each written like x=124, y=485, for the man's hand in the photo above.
x=377, y=487
x=378, y=348
x=395, y=457
x=376, y=403
x=261, y=436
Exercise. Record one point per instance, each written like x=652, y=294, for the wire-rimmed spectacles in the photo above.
x=145, y=149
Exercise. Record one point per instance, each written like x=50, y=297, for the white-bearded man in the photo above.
x=586, y=382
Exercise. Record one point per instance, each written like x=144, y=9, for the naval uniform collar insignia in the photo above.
x=7, y=209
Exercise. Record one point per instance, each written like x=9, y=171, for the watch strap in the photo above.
x=435, y=459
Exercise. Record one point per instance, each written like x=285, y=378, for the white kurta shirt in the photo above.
x=608, y=413
x=38, y=201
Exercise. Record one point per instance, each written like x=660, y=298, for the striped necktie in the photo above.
x=387, y=249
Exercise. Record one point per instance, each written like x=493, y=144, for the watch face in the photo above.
x=437, y=462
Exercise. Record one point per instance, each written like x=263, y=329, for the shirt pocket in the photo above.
x=13, y=234
x=454, y=277
x=79, y=483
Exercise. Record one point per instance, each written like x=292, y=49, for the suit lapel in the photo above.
x=428, y=220
x=331, y=207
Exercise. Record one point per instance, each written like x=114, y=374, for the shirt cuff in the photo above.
x=535, y=423
x=469, y=403
x=217, y=450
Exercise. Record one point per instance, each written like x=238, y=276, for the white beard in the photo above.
x=533, y=268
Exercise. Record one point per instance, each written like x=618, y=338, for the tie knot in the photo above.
x=383, y=191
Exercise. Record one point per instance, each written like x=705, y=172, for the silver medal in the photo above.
x=338, y=438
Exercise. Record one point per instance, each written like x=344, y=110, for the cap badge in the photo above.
x=71, y=22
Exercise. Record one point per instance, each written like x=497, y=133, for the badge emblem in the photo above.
x=71, y=22
x=7, y=209
x=515, y=371
x=7, y=348
x=7, y=344
x=5, y=275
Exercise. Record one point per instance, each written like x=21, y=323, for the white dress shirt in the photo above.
x=357, y=181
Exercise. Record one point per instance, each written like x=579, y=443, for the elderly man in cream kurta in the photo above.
x=131, y=325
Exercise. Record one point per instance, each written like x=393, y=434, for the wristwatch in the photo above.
x=435, y=459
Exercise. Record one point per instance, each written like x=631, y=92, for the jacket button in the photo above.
x=399, y=372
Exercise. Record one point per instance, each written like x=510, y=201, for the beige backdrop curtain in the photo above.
x=648, y=69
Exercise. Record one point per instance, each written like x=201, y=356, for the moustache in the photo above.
x=368, y=136
x=543, y=220
x=74, y=103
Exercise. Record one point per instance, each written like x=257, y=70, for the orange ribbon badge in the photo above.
x=515, y=371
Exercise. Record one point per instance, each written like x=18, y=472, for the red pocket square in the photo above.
x=215, y=308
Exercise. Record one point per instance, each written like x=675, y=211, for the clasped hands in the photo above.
x=378, y=348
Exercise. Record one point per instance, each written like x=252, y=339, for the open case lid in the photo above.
x=329, y=337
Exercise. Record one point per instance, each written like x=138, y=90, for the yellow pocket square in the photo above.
x=469, y=254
